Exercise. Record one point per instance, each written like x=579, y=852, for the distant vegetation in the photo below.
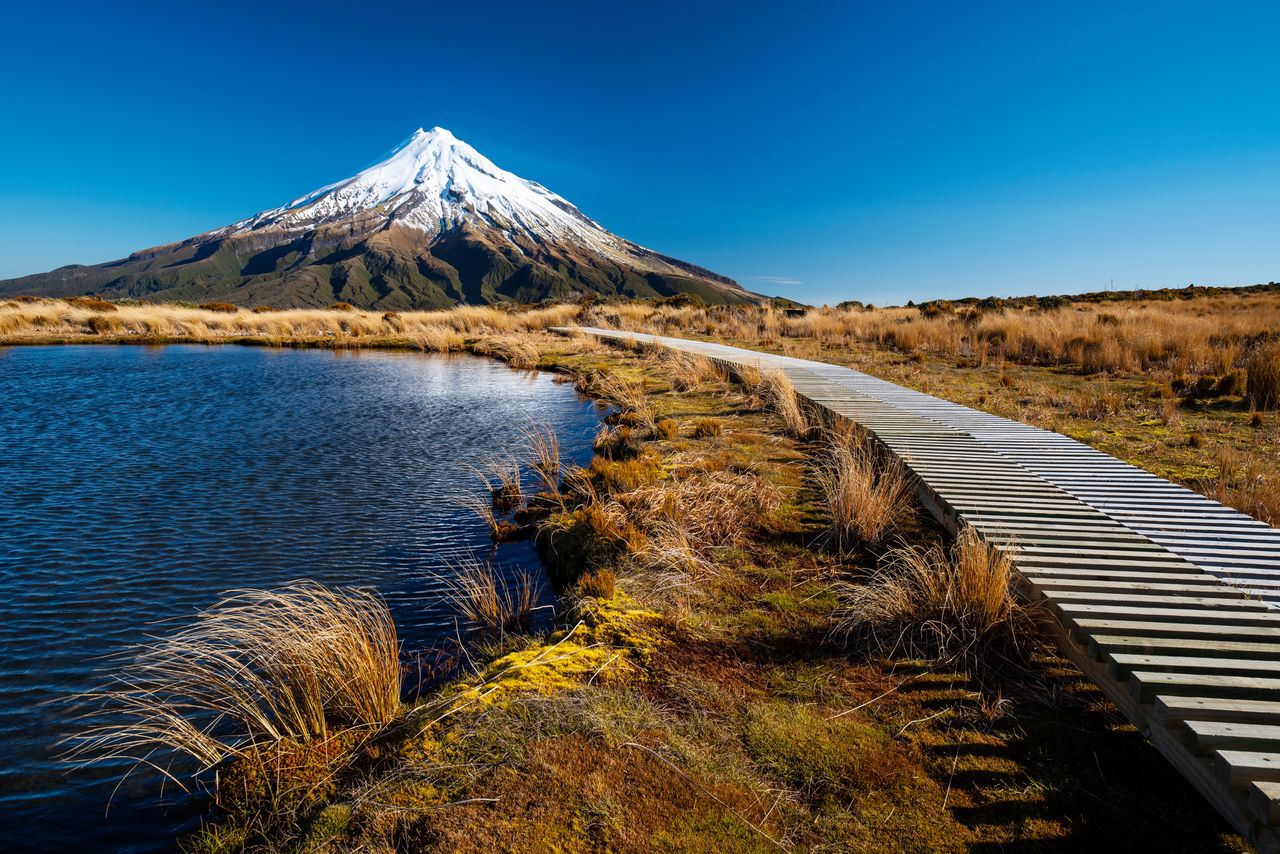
x=1181, y=382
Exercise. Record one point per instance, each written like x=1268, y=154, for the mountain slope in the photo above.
x=433, y=224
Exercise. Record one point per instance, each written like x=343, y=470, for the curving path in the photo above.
x=1168, y=600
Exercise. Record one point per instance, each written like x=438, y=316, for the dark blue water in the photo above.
x=137, y=484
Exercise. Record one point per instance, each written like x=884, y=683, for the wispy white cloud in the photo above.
x=777, y=280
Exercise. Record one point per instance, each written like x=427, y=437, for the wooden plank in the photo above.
x=1157, y=629
x=1208, y=736
x=1124, y=663
x=1144, y=685
x=1102, y=597
x=1169, y=710
x=1264, y=618
x=1264, y=801
x=1104, y=644
x=1240, y=769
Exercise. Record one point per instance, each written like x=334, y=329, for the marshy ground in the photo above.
x=709, y=684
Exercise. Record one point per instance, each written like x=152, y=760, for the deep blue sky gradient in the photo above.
x=882, y=152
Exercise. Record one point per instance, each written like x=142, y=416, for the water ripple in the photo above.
x=139, y=483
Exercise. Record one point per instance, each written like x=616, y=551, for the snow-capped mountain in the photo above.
x=433, y=223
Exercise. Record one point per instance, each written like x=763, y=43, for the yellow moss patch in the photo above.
x=609, y=643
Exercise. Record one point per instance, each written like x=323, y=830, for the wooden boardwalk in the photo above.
x=1169, y=601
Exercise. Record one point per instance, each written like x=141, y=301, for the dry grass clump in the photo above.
x=435, y=331
x=780, y=395
x=617, y=442
x=666, y=428
x=750, y=378
x=864, y=492
x=491, y=600
x=92, y=303
x=502, y=477
x=689, y=372
x=930, y=602
x=224, y=307
x=626, y=394
x=1098, y=334
x=1243, y=485
x=600, y=584
x=544, y=454
x=300, y=664
x=625, y=475
x=715, y=508
x=1264, y=376
x=433, y=339
x=704, y=428
x=516, y=352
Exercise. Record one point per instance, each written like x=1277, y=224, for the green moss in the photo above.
x=828, y=759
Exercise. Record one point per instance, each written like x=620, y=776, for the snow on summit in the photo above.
x=433, y=182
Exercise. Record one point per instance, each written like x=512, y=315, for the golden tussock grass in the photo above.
x=503, y=478
x=931, y=601
x=600, y=584
x=1204, y=335
x=625, y=393
x=300, y=664
x=1264, y=376
x=865, y=493
x=490, y=600
x=435, y=331
x=780, y=396
x=544, y=454
x=690, y=372
x=515, y=351
x=1242, y=484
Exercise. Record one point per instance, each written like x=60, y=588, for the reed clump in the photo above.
x=625, y=393
x=300, y=665
x=516, y=352
x=1242, y=484
x=780, y=396
x=956, y=604
x=865, y=493
x=1264, y=376
x=544, y=454
x=434, y=331
x=495, y=602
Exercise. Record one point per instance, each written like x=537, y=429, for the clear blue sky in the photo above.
x=882, y=152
